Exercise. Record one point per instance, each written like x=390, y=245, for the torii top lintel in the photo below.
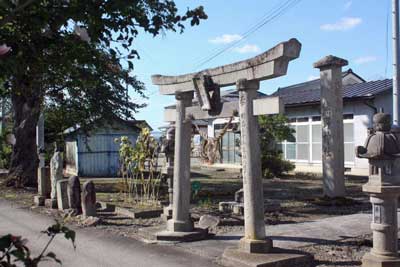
x=270, y=64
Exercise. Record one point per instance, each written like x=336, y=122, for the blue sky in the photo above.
x=352, y=29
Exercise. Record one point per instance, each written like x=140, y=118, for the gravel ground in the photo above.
x=299, y=197
x=344, y=253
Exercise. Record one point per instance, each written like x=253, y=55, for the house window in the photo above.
x=307, y=146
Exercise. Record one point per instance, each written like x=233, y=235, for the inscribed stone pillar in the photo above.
x=62, y=194
x=254, y=240
x=181, y=221
x=332, y=125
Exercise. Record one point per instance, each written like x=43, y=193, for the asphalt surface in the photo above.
x=94, y=247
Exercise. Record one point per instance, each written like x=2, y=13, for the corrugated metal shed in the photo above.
x=97, y=155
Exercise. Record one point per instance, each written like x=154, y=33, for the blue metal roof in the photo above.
x=309, y=92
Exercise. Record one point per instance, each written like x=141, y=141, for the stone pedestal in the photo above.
x=181, y=221
x=384, y=189
x=332, y=125
x=44, y=186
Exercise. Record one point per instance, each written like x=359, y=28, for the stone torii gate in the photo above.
x=246, y=75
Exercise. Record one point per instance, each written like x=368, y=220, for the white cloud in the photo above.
x=343, y=24
x=348, y=5
x=226, y=39
x=248, y=48
x=365, y=59
x=312, y=77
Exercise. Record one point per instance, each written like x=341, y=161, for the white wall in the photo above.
x=362, y=121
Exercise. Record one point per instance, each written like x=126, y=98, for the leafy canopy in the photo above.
x=77, y=56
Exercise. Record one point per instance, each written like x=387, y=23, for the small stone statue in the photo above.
x=382, y=149
x=56, y=171
x=74, y=194
x=381, y=142
x=89, y=199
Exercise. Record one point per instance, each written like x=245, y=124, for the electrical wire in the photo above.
x=277, y=13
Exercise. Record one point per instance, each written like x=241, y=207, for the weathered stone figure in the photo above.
x=74, y=194
x=56, y=171
x=89, y=199
x=382, y=149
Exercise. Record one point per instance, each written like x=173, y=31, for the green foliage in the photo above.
x=86, y=81
x=76, y=57
x=274, y=129
x=138, y=166
x=13, y=249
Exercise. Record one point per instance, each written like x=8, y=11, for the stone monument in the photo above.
x=56, y=174
x=74, y=195
x=168, y=170
x=332, y=125
x=44, y=185
x=89, y=199
x=382, y=149
x=62, y=194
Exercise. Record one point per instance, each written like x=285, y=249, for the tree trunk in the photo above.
x=24, y=158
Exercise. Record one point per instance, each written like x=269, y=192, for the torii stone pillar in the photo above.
x=181, y=221
x=332, y=125
x=254, y=240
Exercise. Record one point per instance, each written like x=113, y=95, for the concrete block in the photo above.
x=370, y=260
x=159, y=233
x=233, y=257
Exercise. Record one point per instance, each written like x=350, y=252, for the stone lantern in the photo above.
x=382, y=149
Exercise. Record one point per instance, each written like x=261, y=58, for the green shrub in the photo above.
x=274, y=129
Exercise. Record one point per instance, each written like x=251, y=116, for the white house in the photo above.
x=302, y=106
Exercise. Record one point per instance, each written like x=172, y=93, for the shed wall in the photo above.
x=98, y=154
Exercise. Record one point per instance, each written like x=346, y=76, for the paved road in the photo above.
x=94, y=247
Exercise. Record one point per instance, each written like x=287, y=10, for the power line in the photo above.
x=277, y=13
x=252, y=26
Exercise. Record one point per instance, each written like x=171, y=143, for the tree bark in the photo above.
x=24, y=158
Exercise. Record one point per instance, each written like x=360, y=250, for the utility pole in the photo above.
x=396, y=73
